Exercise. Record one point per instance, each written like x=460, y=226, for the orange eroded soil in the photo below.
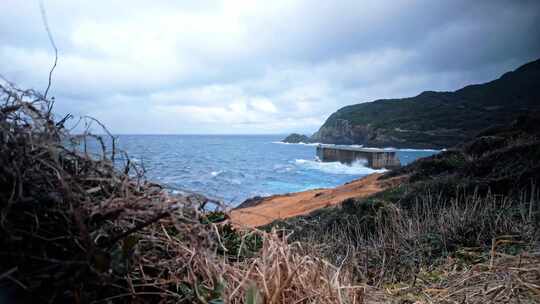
x=294, y=204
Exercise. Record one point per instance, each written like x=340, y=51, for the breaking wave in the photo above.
x=356, y=168
x=300, y=143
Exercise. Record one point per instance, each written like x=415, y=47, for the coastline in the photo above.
x=262, y=211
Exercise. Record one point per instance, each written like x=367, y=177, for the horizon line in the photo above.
x=195, y=134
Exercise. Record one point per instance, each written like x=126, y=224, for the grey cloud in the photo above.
x=261, y=66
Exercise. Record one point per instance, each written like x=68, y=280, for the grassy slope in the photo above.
x=452, y=208
x=443, y=119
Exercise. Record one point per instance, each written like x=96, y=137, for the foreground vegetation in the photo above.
x=75, y=229
x=463, y=228
x=79, y=227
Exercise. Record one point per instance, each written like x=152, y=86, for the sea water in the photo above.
x=233, y=168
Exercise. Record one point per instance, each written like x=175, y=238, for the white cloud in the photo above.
x=263, y=105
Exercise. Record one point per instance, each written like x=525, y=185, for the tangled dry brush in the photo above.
x=81, y=227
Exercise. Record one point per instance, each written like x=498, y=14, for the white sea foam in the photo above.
x=283, y=168
x=300, y=143
x=216, y=173
x=356, y=168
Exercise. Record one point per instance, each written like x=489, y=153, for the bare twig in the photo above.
x=53, y=44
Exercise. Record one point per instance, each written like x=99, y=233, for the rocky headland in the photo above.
x=435, y=119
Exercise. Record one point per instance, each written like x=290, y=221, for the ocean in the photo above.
x=233, y=168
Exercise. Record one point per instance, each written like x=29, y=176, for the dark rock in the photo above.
x=295, y=138
x=250, y=202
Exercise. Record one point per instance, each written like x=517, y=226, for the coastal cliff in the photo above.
x=436, y=119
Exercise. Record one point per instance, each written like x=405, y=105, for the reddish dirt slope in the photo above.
x=294, y=204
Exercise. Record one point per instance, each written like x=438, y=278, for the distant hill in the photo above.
x=436, y=119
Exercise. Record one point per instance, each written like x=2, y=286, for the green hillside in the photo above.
x=436, y=119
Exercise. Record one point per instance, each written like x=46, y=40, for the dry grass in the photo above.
x=457, y=251
x=504, y=279
x=278, y=273
x=511, y=279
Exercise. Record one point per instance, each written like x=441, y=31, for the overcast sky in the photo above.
x=256, y=66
